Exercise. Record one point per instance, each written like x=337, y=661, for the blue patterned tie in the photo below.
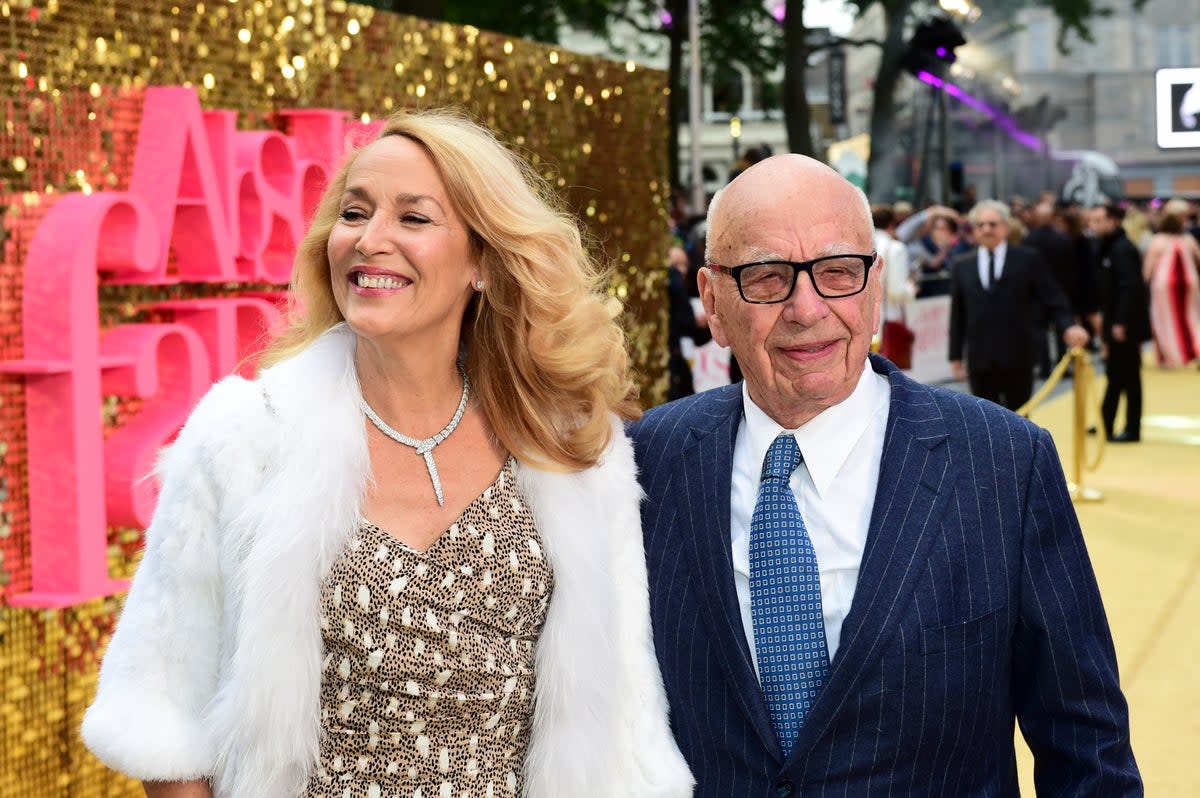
x=785, y=597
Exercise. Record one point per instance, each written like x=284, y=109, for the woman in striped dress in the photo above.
x=1171, y=269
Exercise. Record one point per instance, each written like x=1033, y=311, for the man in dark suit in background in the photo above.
x=1058, y=254
x=682, y=322
x=1124, y=321
x=858, y=582
x=995, y=293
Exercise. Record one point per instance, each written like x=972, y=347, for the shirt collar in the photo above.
x=1001, y=250
x=826, y=440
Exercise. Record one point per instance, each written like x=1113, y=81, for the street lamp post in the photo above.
x=699, y=203
x=735, y=133
x=943, y=146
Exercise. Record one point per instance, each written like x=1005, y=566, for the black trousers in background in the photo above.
x=1009, y=388
x=1124, y=371
x=679, y=373
x=1041, y=349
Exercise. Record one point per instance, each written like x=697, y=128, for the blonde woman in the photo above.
x=1172, y=269
x=1137, y=228
x=407, y=558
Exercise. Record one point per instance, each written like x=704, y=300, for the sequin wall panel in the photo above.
x=74, y=73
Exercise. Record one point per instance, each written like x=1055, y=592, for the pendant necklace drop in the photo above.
x=426, y=446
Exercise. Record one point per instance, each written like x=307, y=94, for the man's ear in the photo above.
x=877, y=279
x=706, y=282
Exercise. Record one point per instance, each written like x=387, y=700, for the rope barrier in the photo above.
x=1085, y=377
x=1051, y=383
x=1095, y=419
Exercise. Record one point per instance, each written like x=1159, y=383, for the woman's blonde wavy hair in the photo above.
x=546, y=357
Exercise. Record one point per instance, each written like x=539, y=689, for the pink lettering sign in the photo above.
x=206, y=203
x=173, y=172
x=80, y=236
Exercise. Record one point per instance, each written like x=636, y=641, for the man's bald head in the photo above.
x=789, y=179
x=1043, y=214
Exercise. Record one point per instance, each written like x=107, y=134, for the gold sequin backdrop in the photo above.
x=72, y=72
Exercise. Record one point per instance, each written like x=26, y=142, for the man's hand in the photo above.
x=677, y=259
x=1075, y=336
x=960, y=371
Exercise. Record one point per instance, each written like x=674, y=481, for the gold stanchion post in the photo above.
x=1082, y=382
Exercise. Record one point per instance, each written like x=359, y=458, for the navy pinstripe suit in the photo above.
x=976, y=605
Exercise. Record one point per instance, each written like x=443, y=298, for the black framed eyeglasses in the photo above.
x=767, y=282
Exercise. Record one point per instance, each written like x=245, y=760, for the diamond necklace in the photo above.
x=425, y=447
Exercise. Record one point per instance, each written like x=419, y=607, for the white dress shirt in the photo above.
x=982, y=259
x=834, y=487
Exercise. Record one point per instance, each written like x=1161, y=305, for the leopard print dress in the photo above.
x=427, y=681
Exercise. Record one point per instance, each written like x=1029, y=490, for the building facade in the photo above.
x=1024, y=115
x=1106, y=88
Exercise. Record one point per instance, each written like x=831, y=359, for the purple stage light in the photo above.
x=779, y=12
x=666, y=18
x=1004, y=121
x=941, y=52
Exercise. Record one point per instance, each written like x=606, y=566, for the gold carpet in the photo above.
x=1144, y=541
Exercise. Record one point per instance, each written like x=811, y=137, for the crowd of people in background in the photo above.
x=1114, y=279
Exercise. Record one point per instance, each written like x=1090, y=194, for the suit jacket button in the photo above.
x=784, y=788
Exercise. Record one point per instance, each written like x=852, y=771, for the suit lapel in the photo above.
x=908, y=501
x=703, y=511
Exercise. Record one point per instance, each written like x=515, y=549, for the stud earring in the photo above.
x=479, y=285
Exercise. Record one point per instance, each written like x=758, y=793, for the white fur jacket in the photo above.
x=215, y=666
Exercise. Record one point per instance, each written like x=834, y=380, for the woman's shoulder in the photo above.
x=615, y=463
x=1158, y=242
x=230, y=398
x=1192, y=243
x=233, y=409
x=1166, y=239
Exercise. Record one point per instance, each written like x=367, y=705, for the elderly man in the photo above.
x=858, y=583
x=996, y=291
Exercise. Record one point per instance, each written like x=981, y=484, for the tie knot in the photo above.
x=782, y=458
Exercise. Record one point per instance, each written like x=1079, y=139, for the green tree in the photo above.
x=540, y=21
x=796, y=113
